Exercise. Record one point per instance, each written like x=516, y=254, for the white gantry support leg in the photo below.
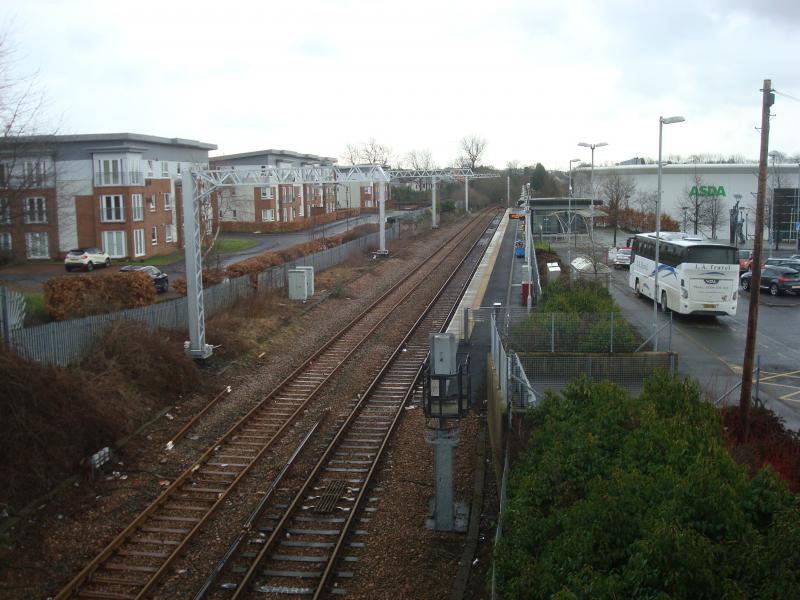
x=434, y=220
x=194, y=270
x=466, y=193
x=382, y=217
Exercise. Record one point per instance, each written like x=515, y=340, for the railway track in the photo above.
x=308, y=531
x=139, y=556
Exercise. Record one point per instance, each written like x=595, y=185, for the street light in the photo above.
x=569, y=214
x=661, y=122
x=591, y=185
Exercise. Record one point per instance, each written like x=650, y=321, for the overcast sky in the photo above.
x=533, y=78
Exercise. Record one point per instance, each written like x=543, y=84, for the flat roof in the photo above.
x=685, y=168
x=272, y=152
x=112, y=137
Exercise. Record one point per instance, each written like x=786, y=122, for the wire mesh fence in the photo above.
x=65, y=342
x=535, y=352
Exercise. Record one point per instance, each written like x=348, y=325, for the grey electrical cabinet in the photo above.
x=444, y=353
x=298, y=286
x=309, y=279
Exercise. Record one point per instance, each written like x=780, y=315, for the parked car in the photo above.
x=745, y=260
x=519, y=249
x=776, y=279
x=86, y=259
x=792, y=263
x=622, y=258
x=160, y=279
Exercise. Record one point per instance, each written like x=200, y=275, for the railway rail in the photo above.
x=307, y=532
x=129, y=566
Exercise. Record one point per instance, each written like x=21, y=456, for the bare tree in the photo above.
x=692, y=204
x=646, y=201
x=370, y=152
x=351, y=155
x=711, y=213
x=26, y=154
x=419, y=160
x=617, y=189
x=472, y=148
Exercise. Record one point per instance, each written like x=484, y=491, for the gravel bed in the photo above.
x=51, y=546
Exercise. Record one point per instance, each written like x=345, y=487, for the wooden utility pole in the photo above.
x=768, y=99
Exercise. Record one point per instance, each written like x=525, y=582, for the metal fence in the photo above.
x=571, y=332
x=64, y=342
x=535, y=352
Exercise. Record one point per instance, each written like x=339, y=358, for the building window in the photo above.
x=35, y=210
x=266, y=193
x=109, y=171
x=33, y=174
x=169, y=232
x=114, y=244
x=138, y=207
x=167, y=201
x=150, y=169
x=138, y=242
x=164, y=169
x=37, y=244
x=267, y=214
x=5, y=241
x=4, y=175
x=111, y=209
x=151, y=204
x=154, y=235
x=5, y=211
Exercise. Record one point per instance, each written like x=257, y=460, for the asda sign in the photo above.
x=704, y=191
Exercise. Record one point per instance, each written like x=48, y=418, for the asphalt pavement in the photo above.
x=711, y=349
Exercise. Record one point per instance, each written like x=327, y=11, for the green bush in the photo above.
x=622, y=497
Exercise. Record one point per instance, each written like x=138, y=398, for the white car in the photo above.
x=86, y=259
x=622, y=258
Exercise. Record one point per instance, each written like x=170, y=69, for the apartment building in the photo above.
x=278, y=202
x=115, y=191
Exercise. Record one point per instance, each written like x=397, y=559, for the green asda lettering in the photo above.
x=707, y=190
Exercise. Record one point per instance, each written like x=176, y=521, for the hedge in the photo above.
x=71, y=297
x=623, y=497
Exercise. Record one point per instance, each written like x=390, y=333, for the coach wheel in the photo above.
x=664, y=307
x=638, y=289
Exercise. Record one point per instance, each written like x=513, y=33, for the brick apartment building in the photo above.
x=114, y=191
x=287, y=202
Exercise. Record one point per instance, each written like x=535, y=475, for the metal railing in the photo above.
x=119, y=178
x=65, y=342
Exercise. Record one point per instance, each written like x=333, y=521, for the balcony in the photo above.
x=119, y=178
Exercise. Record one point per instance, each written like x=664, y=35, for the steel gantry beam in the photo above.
x=436, y=175
x=198, y=184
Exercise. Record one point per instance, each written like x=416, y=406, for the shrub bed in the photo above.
x=78, y=296
x=623, y=497
x=582, y=322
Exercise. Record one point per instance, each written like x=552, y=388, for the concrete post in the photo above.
x=466, y=193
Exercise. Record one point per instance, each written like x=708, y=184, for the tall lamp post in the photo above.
x=661, y=122
x=591, y=186
x=569, y=215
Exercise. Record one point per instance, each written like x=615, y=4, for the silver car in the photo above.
x=86, y=259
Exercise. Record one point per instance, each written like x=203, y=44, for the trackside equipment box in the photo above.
x=298, y=285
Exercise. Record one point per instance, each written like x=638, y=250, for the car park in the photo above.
x=160, y=279
x=86, y=259
x=776, y=279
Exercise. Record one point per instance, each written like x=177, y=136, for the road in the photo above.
x=711, y=349
x=31, y=276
